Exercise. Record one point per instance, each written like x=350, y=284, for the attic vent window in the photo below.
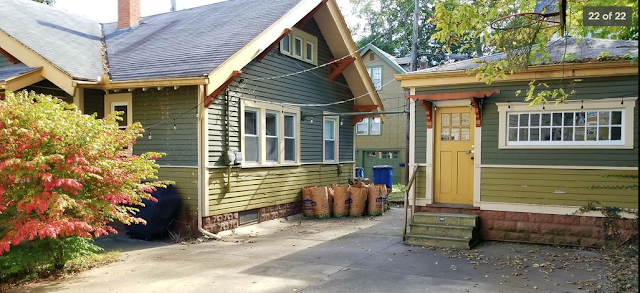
x=300, y=45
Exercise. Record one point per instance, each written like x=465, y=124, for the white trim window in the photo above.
x=290, y=137
x=251, y=135
x=369, y=126
x=269, y=134
x=285, y=45
x=300, y=45
x=375, y=73
x=330, y=142
x=120, y=103
x=606, y=123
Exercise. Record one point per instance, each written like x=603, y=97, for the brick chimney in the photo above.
x=128, y=13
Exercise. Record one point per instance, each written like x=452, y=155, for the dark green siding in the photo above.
x=4, y=61
x=155, y=106
x=48, y=88
x=94, y=102
x=307, y=88
x=421, y=134
x=587, y=89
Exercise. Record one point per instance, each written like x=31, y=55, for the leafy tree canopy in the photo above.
x=388, y=24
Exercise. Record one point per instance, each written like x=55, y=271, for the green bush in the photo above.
x=36, y=258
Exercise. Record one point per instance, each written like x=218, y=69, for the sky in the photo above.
x=106, y=10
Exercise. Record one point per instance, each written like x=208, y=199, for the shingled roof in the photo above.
x=11, y=71
x=185, y=43
x=190, y=42
x=587, y=49
x=68, y=41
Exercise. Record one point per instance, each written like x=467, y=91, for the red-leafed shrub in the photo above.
x=65, y=174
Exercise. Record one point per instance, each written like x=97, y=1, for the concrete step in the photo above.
x=444, y=231
x=437, y=241
x=446, y=219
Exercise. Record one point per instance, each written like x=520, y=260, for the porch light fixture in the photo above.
x=149, y=135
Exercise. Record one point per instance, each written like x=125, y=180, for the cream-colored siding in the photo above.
x=393, y=136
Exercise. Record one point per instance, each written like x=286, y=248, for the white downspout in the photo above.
x=202, y=158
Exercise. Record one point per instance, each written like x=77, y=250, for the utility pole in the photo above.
x=407, y=102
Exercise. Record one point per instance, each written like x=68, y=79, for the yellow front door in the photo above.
x=453, y=153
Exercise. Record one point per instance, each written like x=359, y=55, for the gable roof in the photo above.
x=586, y=49
x=392, y=61
x=177, y=44
x=197, y=46
x=68, y=41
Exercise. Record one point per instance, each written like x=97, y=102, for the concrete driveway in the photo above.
x=334, y=255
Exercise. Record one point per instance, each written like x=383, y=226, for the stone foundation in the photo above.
x=570, y=230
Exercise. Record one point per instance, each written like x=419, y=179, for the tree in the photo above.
x=66, y=174
x=388, y=24
x=464, y=23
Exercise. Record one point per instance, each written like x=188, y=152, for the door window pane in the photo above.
x=455, y=133
x=444, y=136
x=464, y=135
x=455, y=119
x=466, y=119
x=446, y=120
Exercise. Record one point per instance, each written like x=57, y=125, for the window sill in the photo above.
x=256, y=165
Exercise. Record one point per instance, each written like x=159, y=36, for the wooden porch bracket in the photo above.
x=362, y=108
x=428, y=110
x=273, y=45
x=475, y=103
x=209, y=98
x=308, y=17
x=454, y=95
x=336, y=68
x=12, y=60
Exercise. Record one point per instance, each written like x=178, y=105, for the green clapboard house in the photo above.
x=526, y=170
x=238, y=94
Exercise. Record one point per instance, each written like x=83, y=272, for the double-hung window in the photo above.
x=269, y=134
x=330, y=139
x=375, y=72
x=369, y=126
x=290, y=131
x=604, y=123
x=251, y=135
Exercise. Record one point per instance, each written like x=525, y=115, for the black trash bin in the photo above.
x=158, y=215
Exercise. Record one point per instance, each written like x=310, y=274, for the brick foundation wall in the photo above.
x=228, y=221
x=539, y=228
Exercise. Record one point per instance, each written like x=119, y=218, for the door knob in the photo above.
x=469, y=151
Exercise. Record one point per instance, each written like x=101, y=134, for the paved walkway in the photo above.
x=334, y=255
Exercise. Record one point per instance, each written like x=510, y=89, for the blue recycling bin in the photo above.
x=383, y=174
x=359, y=172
